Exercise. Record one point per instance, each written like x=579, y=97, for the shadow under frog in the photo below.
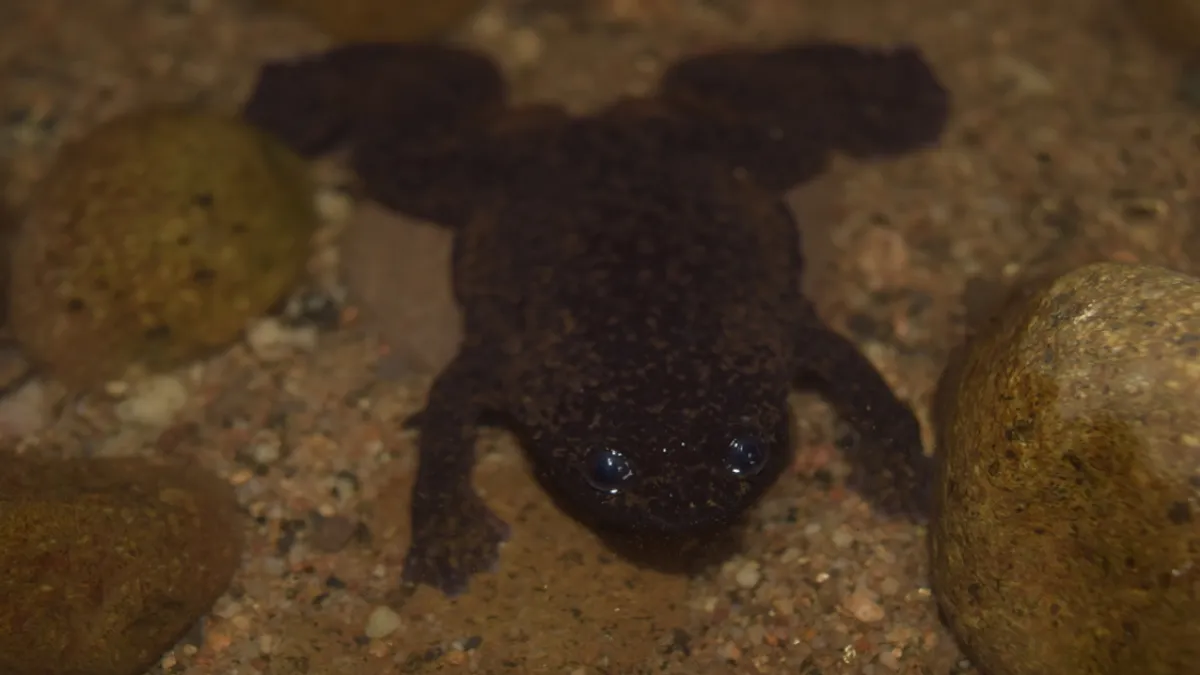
x=629, y=279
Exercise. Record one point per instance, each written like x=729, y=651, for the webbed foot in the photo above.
x=452, y=542
x=894, y=473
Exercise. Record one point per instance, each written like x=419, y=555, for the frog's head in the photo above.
x=670, y=458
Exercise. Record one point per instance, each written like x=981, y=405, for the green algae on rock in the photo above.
x=153, y=239
x=382, y=20
x=1066, y=538
x=105, y=564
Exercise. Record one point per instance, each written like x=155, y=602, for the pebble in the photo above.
x=271, y=340
x=889, y=586
x=749, y=575
x=333, y=205
x=382, y=622
x=267, y=447
x=863, y=607
x=154, y=401
x=108, y=562
x=843, y=538
x=331, y=534
x=890, y=659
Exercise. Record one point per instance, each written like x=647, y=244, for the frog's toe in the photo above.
x=453, y=547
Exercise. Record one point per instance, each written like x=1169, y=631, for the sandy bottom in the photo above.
x=1067, y=144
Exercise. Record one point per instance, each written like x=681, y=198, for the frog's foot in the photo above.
x=894, y=474
x=453, y=542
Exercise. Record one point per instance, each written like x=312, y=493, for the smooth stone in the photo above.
x=1066, y=537
x=106, y=563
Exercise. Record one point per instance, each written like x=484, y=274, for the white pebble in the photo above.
x=154, y=401
x=382, y=622
x=270, y=340
x=748, y=576
x=267, y=447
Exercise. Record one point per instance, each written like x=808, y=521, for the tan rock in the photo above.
x=105, y=564
x=1067, y=538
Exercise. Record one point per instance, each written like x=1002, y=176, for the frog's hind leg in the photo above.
x=356, y=93
x=778, y=113
x=411, y=116
x=890, y=467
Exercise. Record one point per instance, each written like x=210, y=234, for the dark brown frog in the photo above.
x=630, y=280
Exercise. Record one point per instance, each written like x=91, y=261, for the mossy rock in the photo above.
x=154, y=239
x=106, y=564
x=382, y=20
x=1069, y=479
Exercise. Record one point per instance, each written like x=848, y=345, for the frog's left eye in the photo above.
x=607, y=470
x=746, y=456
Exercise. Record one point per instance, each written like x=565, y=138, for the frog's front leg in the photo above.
x=454, y=534
x=890, y=467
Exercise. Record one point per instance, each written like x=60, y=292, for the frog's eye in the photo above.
x=607, y=470
x=747, y=455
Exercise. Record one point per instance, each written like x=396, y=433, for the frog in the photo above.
x=629, y=277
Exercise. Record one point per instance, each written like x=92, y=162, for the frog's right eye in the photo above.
x=747, y=455
x=607, y=470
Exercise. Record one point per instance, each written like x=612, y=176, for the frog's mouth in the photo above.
x=666, y=512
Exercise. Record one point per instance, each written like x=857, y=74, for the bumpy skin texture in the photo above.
x=630, y=284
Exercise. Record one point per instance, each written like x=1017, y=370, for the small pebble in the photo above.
x=382, y=622
x=334, y=205
x=890, y=659
x=889, y=586
x=843, y=538
x=863, y=607
x=331, y=535
x=153, y=402
x=749, y=575
x=526, y=46
x=267, y=447
x=271, y=340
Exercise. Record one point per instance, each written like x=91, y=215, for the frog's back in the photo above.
x=628, y=250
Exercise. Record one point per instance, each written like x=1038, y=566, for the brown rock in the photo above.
x=1069, y=479
x=105, y=564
